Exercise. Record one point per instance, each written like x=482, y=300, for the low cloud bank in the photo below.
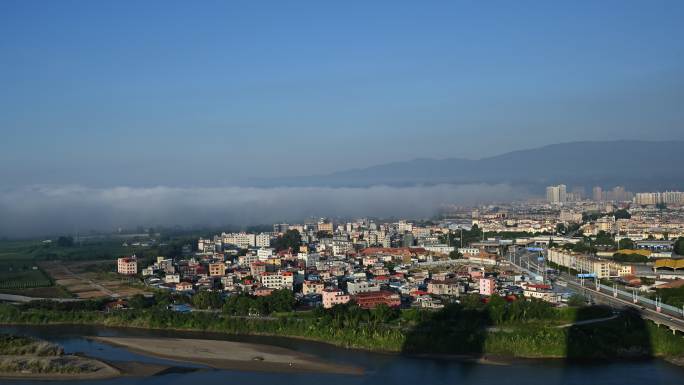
x=42, y=210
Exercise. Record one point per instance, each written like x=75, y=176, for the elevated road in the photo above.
x=648, y=311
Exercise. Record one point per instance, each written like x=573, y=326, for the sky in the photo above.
x=201, y=93
x=144, y=101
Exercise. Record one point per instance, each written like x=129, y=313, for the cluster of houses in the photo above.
x=394, y=275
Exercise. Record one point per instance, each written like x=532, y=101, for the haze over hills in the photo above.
x=637, y=165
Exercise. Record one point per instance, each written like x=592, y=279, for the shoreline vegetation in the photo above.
x=497, y=330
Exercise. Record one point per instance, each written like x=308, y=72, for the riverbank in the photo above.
x=229, y=355
x=31, y=358
x=64, y=367
x=531, y=331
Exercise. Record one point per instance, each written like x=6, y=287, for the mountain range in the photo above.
x=636, y=165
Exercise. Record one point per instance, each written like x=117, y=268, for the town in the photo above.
x=516, y=251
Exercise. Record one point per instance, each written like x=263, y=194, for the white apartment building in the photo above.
x=587, y=264
x=262, y=240
x=654, y=198
x=242, y=240
x=436, y=287
x=264, y=253
x=354, y=288
x=469, y=250
x=404, y=226
x=205, y=245
x=440, y=248
x=172, y=278
x=341, y=247
x=248, y=260
x=281, y=280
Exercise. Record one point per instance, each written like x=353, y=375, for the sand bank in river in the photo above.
x=229, y=355
x=67, y=367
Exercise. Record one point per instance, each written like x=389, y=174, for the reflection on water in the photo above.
x=379, y=368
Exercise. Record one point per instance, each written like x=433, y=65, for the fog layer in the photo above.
x=44, y=210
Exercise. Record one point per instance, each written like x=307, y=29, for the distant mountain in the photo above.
x=637, y=165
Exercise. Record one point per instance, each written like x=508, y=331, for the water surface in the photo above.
x=383, y=369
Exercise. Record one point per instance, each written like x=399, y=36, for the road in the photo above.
x=647, y=311
x=22, y=298
x=587, y=322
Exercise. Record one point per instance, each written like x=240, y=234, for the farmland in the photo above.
x=22, y=274
x=45, y=269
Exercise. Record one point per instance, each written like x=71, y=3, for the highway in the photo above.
x=673, y=321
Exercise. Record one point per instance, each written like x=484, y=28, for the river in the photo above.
x=379, y=368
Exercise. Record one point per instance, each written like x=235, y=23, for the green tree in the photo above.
x=207, y=300
x=604, y=239
x=65, y=241
x=576, y=300
x=626, y=243
x=622, y=214
x=139, y=301
x=384, y=314
x=455, y=255
x=496, y=307
x=290, y=240
x=630, y=258
x=560, y=228
x=679, y=246
x=280, y=301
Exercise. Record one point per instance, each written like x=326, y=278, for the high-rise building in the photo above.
x=620, y=194
x=597, y=194
x=557, y=194
x=654, y=198
x=673, y=197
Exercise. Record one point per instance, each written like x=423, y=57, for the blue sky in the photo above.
x=199, y=93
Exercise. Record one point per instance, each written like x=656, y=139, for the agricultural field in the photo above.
x=92, y=279
x=42, y=250
x=44, y=269
x=22, y=274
